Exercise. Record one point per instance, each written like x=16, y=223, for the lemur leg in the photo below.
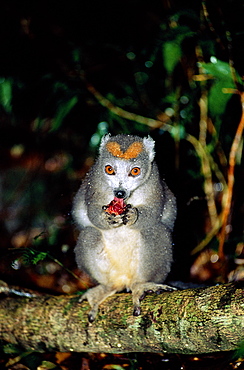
x=139, y=291
x=95, y=296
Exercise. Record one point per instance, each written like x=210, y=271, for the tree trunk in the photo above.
x=190, y=321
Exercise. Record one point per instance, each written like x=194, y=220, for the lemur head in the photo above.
x=126, y=162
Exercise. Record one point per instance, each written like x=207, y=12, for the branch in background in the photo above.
x=231, y=180
x=211, y=26
x=206, y=169
x=150, y=122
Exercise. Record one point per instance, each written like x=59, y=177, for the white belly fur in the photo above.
x=119, y=259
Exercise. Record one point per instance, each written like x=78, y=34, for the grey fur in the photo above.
x=131, y=251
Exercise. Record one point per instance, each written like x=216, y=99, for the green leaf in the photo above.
x=11, y=349
x=219, y=96
x=6, y=94
x=172, y=54
x=172, y=49
x=32, y=256
x=62, y=112
x=47, y=365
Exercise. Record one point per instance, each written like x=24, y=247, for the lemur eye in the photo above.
x=109, y=170
x=135, y=171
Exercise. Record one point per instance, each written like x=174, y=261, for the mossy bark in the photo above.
x=189, y=321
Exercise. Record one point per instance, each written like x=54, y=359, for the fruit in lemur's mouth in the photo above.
x=117, y=206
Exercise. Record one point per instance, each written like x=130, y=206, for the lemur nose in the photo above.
x=120, y=194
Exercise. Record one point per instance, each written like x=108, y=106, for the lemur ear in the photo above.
x=149, y=145
x=104, y=140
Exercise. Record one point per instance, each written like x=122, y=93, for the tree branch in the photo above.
x=190, y=321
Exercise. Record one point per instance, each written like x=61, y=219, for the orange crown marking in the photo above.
x=132, y=152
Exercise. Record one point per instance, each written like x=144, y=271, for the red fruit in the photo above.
x=116, y=206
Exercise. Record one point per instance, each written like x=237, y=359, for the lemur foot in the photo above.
x=95, y=296
x=140, y=290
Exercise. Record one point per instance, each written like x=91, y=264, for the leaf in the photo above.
x=6, y=94
x=46, y=365
x=32, y=256
x=172, y=54
x=62, y=112
x=172, y=49
x=11, y=348
x=218, y=96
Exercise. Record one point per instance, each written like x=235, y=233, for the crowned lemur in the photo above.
x=126, y=216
